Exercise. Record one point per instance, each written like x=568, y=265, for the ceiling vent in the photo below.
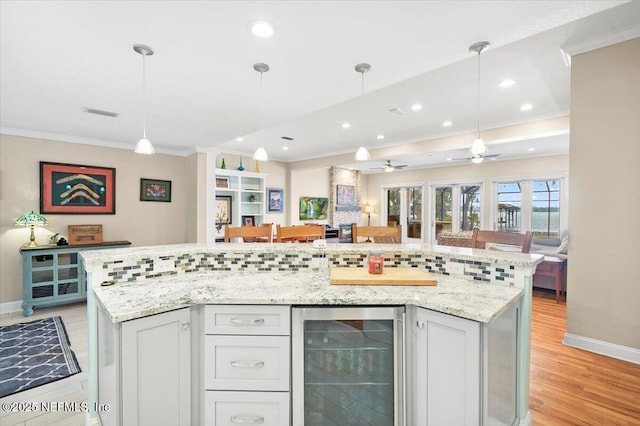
x=101, y=112
x=287, y=138
x=397, y=111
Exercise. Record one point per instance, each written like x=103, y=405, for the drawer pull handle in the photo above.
x=240, y=321
x=254, y=420
x=247, y=364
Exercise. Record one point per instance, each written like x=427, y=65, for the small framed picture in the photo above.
x=223, y=209
x=222, y=182
x=248, y=220
x=155, y=190
x=275, y=200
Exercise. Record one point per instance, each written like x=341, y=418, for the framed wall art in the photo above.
x=248, y=221
x=155, y=190
x=313, y=208
x=275, y=200
x=223, y=209
x=346, y=195
x=76, y=189
x=222, y=182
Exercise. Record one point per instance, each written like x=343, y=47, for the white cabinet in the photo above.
x=247, y=364
x=156, y=370
x=237, y=408
x=462, y=372
x=447, y=356
x=246, y=193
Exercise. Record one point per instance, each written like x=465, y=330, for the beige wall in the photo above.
x=604, y=278
x=484, y=172
x=142, y=223
x=307, y=183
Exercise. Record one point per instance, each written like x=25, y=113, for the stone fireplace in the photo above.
x=349, y=211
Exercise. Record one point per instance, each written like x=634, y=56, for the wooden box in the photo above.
x=85, y=234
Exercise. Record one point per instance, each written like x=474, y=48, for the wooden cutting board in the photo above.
x=390, y=276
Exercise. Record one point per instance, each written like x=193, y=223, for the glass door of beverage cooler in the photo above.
x=347, y=366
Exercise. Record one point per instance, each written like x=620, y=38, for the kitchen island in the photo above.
x=478, y=286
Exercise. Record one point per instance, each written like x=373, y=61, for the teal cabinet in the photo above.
x=52, y=275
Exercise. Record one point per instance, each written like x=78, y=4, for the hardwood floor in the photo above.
x=568, y=386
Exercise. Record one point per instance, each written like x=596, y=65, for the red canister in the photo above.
x=376, y=262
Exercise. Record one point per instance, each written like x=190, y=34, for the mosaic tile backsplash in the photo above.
x=290, y=260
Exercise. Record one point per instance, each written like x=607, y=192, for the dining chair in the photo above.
x=380, y=234
x=304, y=233
x=479, y=239
x=249, y=234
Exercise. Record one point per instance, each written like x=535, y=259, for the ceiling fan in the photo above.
x=477, y=158
x=388, y=167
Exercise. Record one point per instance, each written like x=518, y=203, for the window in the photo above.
x=455, y=206
x=529, y=205
x=509, y=206
x=545, y=208
x=469, y=207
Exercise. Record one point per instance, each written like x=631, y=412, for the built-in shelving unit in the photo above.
x=247, y=192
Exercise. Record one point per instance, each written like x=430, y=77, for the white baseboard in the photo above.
x=603, y=348
x=526, y=421
x=7, y=307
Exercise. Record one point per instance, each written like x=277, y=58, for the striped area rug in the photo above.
x=34, y=353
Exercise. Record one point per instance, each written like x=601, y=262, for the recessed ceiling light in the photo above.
x=531, y=149
x=506, y=83
x=447, y=123
x=285, y=148
x=262, y=28
x=239, y=139
x=526, y=107
x=449, y=159
x=416, y=107
x=346, y=125
x=380, y=137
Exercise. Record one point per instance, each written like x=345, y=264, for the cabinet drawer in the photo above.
x=246, y=363
x=236, y=319
x=246, y=408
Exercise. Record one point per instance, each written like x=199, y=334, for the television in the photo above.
x=313, y=208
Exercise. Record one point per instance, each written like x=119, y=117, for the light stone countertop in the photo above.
x=481, y=302
x=93, y=257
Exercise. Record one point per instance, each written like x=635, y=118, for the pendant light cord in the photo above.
x=362, y=110
x=261, y=103
x=478, y=100
x=144, y=98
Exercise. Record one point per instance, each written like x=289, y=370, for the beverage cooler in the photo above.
x=347, y=366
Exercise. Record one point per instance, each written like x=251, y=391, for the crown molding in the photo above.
x=618, y=36
x=89, y=141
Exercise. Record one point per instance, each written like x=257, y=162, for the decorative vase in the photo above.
x=257, y=167
x=241, y=167
x=224, y=165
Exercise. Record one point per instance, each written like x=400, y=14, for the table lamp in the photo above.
x=368, y=209
x=31, y=220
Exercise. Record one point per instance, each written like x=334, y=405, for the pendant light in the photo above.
x=261, y=154
x=478, y=148
x=362, y=154
x=144, y=146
